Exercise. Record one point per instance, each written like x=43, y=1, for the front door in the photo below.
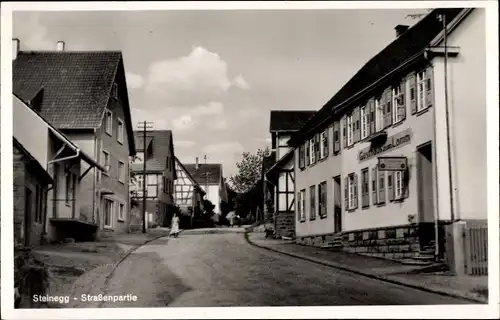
x=425, y=194
x=337, y=202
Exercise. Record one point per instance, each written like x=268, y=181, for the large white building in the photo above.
x=395, y=106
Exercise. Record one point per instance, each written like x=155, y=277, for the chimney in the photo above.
x=15, y=48
x=197, y=164
x=60, y=46
x=400, y=29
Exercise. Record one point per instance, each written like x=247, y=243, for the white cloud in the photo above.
x=212, y=108
x=194, y=79
x=184, y=144
x=31, y=33
x=241, y=83
x=134, y=81
x=227, y=148
x=183, y=123
x=220, y=124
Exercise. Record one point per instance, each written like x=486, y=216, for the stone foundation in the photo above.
x=284, y=224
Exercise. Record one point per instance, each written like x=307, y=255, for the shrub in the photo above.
x=31, y=276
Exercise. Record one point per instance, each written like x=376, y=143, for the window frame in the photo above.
x=303, y=205
x=121, y=214
x=109, y=123
x=322, y=199
x=107, y=160
x=312, y=153
x=322, y=148
x=422, y=90
x=350, y=188
x=120, y=135
x=365, y=122
x=397, y=93
x=312, y=202
x=379, y=114
x=398, y=181
x=350, y=130
x=111, y=213
x=121, y=171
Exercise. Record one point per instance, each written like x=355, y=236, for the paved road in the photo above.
x=224, y=270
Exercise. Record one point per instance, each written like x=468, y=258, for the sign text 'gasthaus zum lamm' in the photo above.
x=398, y=140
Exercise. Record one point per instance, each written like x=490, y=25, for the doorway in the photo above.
x=425, y=193
x=337, y=205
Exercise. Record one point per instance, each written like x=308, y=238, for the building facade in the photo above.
x=188, y=194
x=160, y=175
x=395, y=107
x=91, y=108
x=47, y=174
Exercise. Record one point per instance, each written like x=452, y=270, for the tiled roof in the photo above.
x=404, y=47
x=193, y=181
x=77, y=86
x=210, y=173
x=161, y=141
x=289, y=120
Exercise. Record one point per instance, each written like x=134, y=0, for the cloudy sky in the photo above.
x=213, y=76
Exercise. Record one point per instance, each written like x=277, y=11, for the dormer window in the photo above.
x=114, y=91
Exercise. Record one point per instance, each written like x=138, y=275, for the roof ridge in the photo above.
x=71, y=51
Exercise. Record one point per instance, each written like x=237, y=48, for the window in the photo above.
x=365, y=122
x=109, y=122
x=300, y=213
x=322, y=199
x=302, y=156
x=379, y=115
x=398, y=95
x=323, y=148
x=152, y=185
x=105, y=157
x=120, y=133
x=421, y=90
x=312, y=152
x=108, y=213
x=398, y=184
x=365, y=193
x=121, y=171
x=336, y=137
x=312, y=202
x=121, y=212
x=114, y=90
x=352, y=187
x=350, y=130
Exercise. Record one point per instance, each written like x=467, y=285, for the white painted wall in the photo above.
x=212, y=194
x=30, y=130
x=281, y=140
x=467, y=108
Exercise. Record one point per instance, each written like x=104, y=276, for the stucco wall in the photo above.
x=467, y=110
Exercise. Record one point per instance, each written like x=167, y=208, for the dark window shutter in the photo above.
x=346, y=193
x=412, y=83
x=336, y=136
x=381, y=186
x=344, y=131
x=317, y=141
x=355, y=177
x=429, y=99
x=390, y=185
x=406, y=184
x=308, y=155
x=374, y=185
x=402, y=101
x=388, y=107
x=301, y=157
x=356, y=119
x=326, y=142
x=371, y=108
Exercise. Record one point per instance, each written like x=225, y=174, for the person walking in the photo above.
x=174, y=227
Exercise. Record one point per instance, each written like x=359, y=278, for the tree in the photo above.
x=249, y=170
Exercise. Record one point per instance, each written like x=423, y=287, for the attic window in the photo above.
x=114, y=91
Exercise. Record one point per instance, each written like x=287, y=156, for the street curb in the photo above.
x=369, y=275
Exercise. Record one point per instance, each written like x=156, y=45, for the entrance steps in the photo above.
x=334, y=245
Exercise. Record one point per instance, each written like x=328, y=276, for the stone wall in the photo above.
x=285, y=224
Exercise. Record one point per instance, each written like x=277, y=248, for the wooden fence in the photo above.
x=476, y=250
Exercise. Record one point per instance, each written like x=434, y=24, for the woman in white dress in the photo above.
x=174, y=228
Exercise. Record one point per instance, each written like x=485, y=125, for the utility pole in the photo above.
x=144, y=125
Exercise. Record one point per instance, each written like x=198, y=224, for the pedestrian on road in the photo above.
x=174, y=228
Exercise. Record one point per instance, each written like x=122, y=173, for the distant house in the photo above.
x=278, y=168
x=47, y=172
x=188, y=193
x=160, y=174
x=209, y=177
x=84, y=95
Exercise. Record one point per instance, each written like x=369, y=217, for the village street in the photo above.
x=222, y=269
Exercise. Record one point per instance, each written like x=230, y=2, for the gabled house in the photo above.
x=84, y=95
x=209, y=177
x=278, y=168
x=156, y=151
x=188, y=193
x=48, y=170
x=402, y=154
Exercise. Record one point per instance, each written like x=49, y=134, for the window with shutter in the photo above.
x=308, y=153
x=399, y=105
x=303, y=205
x=371, y=109
x=390, y=188
x=398, y=185
x=301, y=157
x=322, y=199
x=429, y=99
x=350, y=130
x=299, y=205
x=326, y=143
x=312, y=203
x=365, y=198
x=374, y=186
x=346, y=193
x=357, y=126
x=317, y=145
x=381, y=187
x=344, y=131
x=365, y=122
x=312, y=150
x=355, y=191
x=336, y=137
x=421, y=90
x=379, y=114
